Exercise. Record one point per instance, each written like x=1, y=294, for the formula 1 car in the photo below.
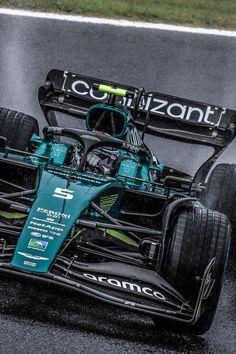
x=94, y=210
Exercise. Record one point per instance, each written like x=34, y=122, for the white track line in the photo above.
x=120, y=23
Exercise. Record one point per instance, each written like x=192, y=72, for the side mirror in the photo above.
x=3, y=142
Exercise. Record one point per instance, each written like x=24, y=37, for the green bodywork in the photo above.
x=57, y=207
x=64, y=195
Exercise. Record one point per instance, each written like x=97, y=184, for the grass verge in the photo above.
x=210, y=13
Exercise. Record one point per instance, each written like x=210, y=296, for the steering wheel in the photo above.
x=91, y=140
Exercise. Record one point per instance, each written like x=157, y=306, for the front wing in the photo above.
x=126, y=286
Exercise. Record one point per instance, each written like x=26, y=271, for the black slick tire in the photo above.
x=198, y=236
x=17, y=128
x=220, y=193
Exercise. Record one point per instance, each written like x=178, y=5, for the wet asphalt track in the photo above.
x=194, y=66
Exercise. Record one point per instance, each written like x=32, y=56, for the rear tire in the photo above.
x=199, y=235
x=220, y=192
x=17, y=128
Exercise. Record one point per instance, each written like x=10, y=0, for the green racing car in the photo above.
x=92, y=209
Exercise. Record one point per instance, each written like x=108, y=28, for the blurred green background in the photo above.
x=202, y=13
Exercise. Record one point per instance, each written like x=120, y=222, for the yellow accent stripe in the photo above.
x=109, y=89
x=121, y=237
x=7, y=215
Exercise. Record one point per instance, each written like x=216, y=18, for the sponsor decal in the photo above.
x=156, y=103
x=56, y=130
x=82, y=88
x=35, y=234
x=43, y=235
x=127, y=286
x=50, y=221
x=132, y=148
x=31, y=256
x=44, y=227
x=108, y=201
x=53, y=213
x=37, y=244
x=31, y=264
x=48, y=237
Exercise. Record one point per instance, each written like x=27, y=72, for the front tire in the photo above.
x=198, y=236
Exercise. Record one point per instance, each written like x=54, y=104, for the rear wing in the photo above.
x=73, y=94
x=154, y=113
